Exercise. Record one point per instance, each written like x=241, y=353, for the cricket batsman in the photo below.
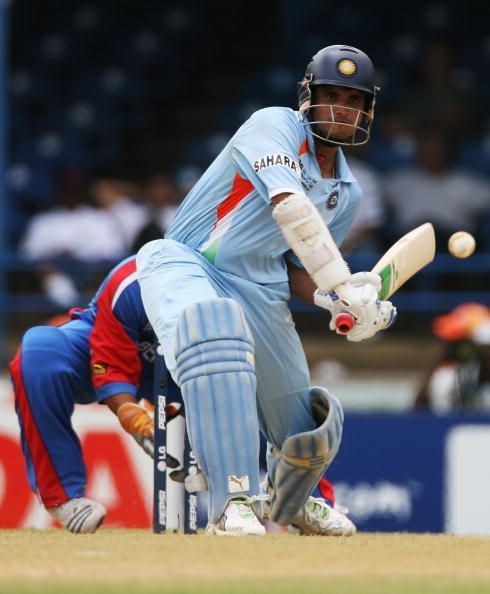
x=279, y=196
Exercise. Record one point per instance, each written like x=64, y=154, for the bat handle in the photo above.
x=344, y=323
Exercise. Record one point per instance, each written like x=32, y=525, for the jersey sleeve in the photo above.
x=114, y=340
x=266, y=152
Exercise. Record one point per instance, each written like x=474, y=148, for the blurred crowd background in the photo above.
x=114, y=108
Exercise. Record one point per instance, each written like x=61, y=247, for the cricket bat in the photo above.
x=406, y=257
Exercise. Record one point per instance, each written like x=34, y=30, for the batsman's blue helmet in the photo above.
x=344, y=66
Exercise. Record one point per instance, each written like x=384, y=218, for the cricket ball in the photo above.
x=461, y=244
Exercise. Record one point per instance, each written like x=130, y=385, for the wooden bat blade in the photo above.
x=405, y=258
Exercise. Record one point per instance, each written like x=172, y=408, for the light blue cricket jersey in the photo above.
x=227, y=216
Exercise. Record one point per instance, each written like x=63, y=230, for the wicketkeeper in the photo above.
x=104, y=354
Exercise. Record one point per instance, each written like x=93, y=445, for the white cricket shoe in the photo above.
x=80, y=515
x=318, y=518
x=238, y=519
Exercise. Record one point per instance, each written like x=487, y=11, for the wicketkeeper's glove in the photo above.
x=138, y=423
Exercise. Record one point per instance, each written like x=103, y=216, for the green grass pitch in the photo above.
x=134, y=561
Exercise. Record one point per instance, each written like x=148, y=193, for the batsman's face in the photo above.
x=338, y=111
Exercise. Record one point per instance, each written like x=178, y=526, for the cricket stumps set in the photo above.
x=174, y=508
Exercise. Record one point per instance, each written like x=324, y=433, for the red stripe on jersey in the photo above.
x=50, y=488
x=303, y=148
x=117, y=278
x=114, y=354
x=240, y=189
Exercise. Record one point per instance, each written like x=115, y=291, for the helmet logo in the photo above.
x=347, y=67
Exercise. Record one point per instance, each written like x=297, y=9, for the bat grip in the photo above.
x=344, y=323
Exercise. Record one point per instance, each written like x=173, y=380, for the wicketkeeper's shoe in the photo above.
x=318, y=518
x=238, y=519
x=79, y=515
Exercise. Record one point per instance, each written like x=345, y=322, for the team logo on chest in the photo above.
x=332, y=200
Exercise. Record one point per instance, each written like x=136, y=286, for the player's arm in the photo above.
x=134, y=419
x=307, y=235
x=337, y=290
x=266, y=151
x=117, y=400
x=115, y=362
x=301, y=284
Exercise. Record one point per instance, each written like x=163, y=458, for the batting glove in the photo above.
x=370, y=314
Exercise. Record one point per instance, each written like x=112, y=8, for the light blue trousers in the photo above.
x=172, y=277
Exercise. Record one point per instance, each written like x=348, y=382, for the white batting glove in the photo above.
x=362, y=302
x=386, y=313
x=366, y=278
x=196, y=483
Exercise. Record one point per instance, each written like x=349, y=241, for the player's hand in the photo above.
x=137, y=420
x=139, y=424
x=362, y=302
x=386, y=315
x=193, y=483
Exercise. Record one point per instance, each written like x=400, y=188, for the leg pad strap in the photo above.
x=305, y=457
